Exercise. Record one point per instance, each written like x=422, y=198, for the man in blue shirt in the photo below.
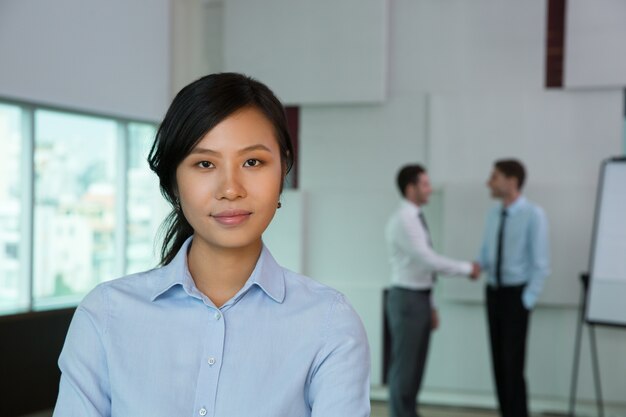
x=515, y=255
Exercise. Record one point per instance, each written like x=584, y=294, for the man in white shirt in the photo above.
x=411, y=315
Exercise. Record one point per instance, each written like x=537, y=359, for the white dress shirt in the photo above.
x=413, y=261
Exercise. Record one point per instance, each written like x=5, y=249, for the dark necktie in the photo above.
x=503, y=215
x=430, y=242
x=425, y=226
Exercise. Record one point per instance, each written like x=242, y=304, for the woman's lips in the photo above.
x=231, y=217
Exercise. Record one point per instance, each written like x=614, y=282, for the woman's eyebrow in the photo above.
x=258, y=147
x=203, y=151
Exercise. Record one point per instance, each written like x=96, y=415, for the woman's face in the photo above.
x=229, y=185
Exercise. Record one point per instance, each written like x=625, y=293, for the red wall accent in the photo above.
x=555, y=43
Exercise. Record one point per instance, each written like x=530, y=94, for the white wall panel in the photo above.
x=284, y=236
x=110, y=57
x=459, y=45
x=310, y=51
x=196, y=40
x=561, y=136
x=361, y=147
x=595, y=51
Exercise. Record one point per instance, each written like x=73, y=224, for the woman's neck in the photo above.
x=219, y=273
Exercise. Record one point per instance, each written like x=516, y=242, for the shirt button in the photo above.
x=202, y=411
x=211, y=361
x=218, y=316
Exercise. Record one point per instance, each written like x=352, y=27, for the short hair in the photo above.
x=408, y=174
x=195, y=110
x=512, y=168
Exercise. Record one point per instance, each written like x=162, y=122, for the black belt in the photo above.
x=426, y=291
x=516, y=287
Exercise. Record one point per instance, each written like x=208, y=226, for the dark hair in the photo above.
x=408, y=174
x=512, y=168
x=195, y=110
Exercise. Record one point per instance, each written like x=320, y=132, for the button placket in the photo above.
x=208, y=377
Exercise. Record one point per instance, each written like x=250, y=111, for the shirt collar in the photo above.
x=406, y=204
x=517, y=204
x=267, y=275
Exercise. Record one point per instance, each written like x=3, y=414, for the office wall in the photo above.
x=595, y=52
x=302, y=47
x=465, y=87
x=108, y=57
x=196, y=40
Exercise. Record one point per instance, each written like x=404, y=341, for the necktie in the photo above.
x=503, y=215
x=430, y=242
x=425, y=226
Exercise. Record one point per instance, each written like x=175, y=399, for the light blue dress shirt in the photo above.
x=151, y=344
x=526, y=258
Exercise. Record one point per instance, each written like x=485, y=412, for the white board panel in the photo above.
x=606, y=301
x=595, y=51
x=560, y=136
x=361, y=147
x=460, y=45
x=285, y=235
x=310, y=51
x=107, y=57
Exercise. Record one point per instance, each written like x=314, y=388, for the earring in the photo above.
x=279, y=204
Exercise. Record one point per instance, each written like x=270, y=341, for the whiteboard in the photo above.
x=606, y=298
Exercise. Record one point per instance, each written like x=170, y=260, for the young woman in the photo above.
x=220, y=329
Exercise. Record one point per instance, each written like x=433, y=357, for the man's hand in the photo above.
x=475, y=271
x=434, y=319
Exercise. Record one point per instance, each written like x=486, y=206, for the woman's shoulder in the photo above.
x=306, y=284
x=136, y=286
x=305, y=290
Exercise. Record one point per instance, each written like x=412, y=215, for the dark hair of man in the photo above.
x=512, y=168
x=196, y=109
x=408, y=174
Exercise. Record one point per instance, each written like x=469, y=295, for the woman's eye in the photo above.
x=205, y=164
x=252, y=163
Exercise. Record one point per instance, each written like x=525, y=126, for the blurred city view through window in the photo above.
x=13, y=289
x=146, y=207
x=94, y=198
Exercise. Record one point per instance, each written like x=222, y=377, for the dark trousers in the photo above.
x=508, y=327
x=409, y=319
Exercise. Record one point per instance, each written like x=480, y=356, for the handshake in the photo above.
x=475, y=274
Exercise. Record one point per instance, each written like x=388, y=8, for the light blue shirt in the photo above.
x=525, y=257
x=151, y=344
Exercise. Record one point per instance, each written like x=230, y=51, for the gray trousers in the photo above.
x=409, y=319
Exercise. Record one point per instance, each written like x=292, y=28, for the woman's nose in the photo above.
x=230, y=186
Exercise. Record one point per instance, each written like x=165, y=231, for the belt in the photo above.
x=418, y=291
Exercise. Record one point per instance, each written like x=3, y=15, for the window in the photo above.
x=13, y=289
x=75, y=197
x=146, y=207
x=79, y=204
